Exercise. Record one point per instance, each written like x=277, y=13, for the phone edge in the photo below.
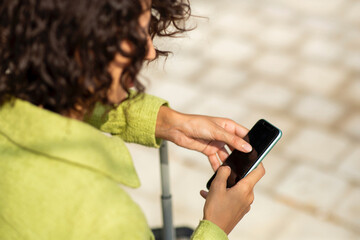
x=265, y=153
x=259, y=160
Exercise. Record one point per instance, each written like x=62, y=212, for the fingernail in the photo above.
x=247, y=147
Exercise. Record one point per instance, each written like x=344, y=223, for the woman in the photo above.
x=66, y=65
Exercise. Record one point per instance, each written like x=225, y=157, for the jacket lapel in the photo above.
x=68, y=140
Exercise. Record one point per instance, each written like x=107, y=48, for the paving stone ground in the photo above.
x=295, y=63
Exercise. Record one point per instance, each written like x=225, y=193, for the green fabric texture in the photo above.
x=59, y=177
x=130, y=120
x=209, y=231
x=41, y=131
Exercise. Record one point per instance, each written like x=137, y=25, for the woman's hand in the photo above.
x=227, y=206
x=205, y=134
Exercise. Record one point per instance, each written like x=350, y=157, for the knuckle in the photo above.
x=176, y=138
x=216, y=184
x=180, y=140
x=246, y=187
x=223, y=171
x=229, y=122
x=234, y=140
x=217, y=181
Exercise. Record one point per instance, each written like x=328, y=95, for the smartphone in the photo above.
x=262, y=137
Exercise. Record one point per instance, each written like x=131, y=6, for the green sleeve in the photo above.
x=134, y=120
x=209, y=231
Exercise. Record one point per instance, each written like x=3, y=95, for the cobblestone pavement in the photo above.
x=294, y=63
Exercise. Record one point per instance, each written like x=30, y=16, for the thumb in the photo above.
x=222, y=175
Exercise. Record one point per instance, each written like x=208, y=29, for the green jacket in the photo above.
x=61, y=178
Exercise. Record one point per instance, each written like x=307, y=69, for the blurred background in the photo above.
x=294, y=63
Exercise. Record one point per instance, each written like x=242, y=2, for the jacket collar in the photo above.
x=68, y=140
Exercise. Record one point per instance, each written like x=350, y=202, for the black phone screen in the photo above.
x=260, y=137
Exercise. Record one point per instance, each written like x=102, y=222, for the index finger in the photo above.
x=236, y=133
x=254, y=176
x=231, y=139
x=240, y=131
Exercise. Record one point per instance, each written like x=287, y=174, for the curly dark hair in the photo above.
x=56, y=53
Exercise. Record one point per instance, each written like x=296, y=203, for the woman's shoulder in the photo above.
x=46, y=193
